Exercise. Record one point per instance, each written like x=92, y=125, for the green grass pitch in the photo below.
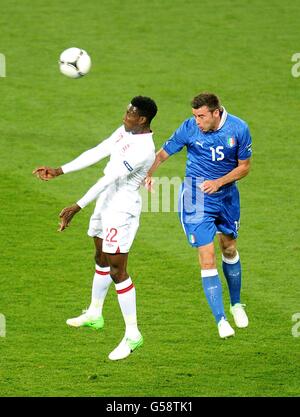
x=170, y=50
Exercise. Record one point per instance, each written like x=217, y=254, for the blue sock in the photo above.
x=233, y=274
x=213, y=292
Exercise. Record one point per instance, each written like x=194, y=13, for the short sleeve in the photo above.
x=178, y=140
x=245, y=144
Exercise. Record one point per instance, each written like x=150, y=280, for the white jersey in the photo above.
x=131, y=156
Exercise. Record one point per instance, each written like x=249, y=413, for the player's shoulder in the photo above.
x=187, y=129
x=189, y=124
x=117, y=134
x=238, y=128
x=142, y=143
x=236, y=122
x=141, y=150
x=146, y=145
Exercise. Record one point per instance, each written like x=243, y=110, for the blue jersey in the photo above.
x=211, y=155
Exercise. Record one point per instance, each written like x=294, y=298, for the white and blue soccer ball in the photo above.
x=74, y=62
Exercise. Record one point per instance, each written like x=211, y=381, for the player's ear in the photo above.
x=143, y=120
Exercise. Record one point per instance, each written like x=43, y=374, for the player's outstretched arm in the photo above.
x=66, y=215
x=47, y=173
x=161, y=156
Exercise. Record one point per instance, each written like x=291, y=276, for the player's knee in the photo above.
x=229, y=252
x=118, y=275
x=208, y=265
x=207, y=257
x=208, y=261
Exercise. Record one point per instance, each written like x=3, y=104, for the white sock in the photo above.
x=127, y=301
x=101, y=283
x=232, y=260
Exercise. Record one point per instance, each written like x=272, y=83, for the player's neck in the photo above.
x=218, y=122
x=141, y=130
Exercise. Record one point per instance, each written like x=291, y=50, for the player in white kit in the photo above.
x=115, y=220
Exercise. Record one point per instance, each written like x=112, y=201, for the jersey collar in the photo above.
x=135, y=135
x=223, y=118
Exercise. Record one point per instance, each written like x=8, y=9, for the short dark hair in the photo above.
x=206, y=99
x=146, y=107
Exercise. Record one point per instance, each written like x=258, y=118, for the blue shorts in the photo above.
x=203, y=215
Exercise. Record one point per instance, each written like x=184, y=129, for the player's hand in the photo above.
x=149, y=183
x=47, y=173
x=66, y=215
x=210, y=186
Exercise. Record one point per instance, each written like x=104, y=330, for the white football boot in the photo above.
x=224, y=328
x=125, y=348
x=87, y=320
x=239, y=315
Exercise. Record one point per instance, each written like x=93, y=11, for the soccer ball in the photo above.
x=74, y=62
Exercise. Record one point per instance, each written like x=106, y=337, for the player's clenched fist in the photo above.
x=47, y=173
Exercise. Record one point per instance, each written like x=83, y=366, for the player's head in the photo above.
x=207, y=111
x=139, y=114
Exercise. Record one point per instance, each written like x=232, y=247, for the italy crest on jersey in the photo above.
x=192, y=238
x=231, y=142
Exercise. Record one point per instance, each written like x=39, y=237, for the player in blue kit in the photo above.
x=218, y=154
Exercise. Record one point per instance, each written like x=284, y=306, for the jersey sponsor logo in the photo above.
x=128, y=166
x=199, y=143
x=231, y=142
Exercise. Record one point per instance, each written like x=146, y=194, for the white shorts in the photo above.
x=116, y=228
